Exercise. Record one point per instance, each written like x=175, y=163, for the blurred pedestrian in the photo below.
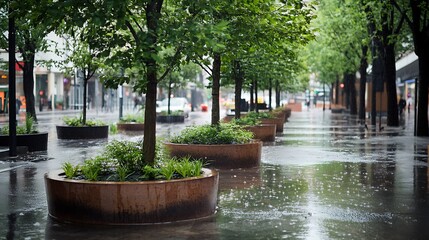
x=18, y=105
x=402, y=104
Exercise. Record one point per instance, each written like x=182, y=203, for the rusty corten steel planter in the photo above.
x=263, y=132
x=277, y=121
x=132, y=127
x=122, y=203
x=222, y=156
x=94, y=132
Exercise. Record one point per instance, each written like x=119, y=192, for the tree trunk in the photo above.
x=215, y=88
x=337, y=89
x=331, y=96
x=29, y=85
x=277, y=93
x=238, y=87
x=377, y=76
x=346, y=91
x=352, y=90
x=420, y=29
x=324, y=95
x=256, y=95
x=270, y=93
x=422, y=128
x=153, y=12
x=85, y=89
x=362, y=86
x=252, y=100
x=390, y=80
x=169, y=96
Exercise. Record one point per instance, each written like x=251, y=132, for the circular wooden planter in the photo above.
x=34, y=142
x=68, y=132
x=170, y=119
x=223, y=156
x=263, y=132
x=121, y=203
x=277, y=121
x=130, y=127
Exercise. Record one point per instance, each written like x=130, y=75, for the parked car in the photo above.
x=178, y=105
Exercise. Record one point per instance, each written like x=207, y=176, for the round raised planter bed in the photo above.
x=34, y=141
x=130, y=127
x=263, y=132
x=222, y=156
x=68, y=132
x=170, y=119
x=121, y=203
x=277, y=121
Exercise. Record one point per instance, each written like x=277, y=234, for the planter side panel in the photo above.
x=137, y=127
x=131, y=203
x=67, y=132
x=264, y=132
x=224, y=156
x=279, y=122
x=34, y=142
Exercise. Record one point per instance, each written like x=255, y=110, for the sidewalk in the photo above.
x=325, y=177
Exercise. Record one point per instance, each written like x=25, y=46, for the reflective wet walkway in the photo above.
x=325, y=177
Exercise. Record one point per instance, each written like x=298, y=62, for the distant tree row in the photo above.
x=354, y=34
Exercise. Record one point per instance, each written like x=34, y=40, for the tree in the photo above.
x=30, y=38
x=337, y=49
x=415, y=13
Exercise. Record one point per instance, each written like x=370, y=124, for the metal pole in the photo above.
x=12, y=93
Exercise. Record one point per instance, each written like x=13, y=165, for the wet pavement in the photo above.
x=325, y=177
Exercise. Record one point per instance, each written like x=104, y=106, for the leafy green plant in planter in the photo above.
x=172, y=113
x=259, y=115
x=78, y=122
x=28, y=128
x=246, y=121
x=132, y=118
x=122, y=161
x=225, y=133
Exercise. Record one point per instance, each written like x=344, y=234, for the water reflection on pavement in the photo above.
x=325, y=177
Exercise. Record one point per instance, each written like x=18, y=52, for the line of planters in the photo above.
x=263, y=124
x=118, y=187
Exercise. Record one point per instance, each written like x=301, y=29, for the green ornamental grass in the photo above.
x=226, y=133
x=121, y=161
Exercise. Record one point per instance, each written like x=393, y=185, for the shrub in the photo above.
x=246, y=121
x=27, y=129
x=132, y=118
x=122, y=161
x=77, y=122
x=172, y=113
x=259, y=115
x=226, y=133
